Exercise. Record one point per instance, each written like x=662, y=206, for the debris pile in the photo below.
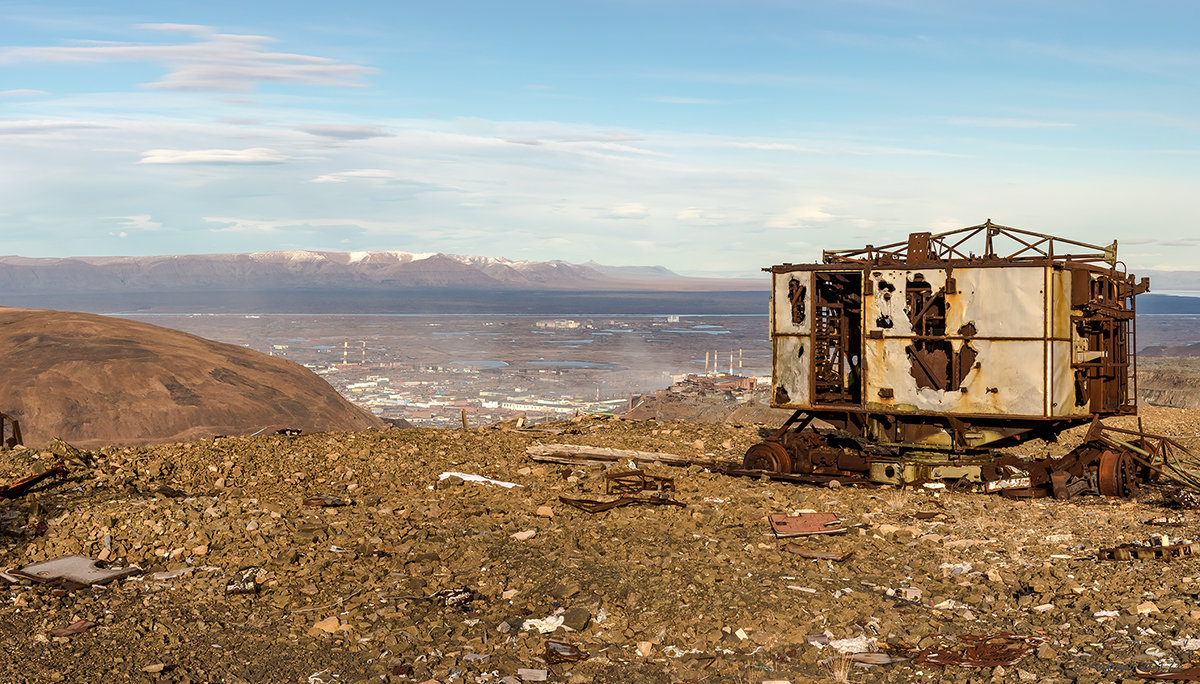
x=349, y=557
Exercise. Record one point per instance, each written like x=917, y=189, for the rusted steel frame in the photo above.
x=18, y=488
x=808, y=478
x=808, y=418
x=896, y=250
x=15, y=431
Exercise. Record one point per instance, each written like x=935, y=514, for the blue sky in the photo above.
x=710, y=137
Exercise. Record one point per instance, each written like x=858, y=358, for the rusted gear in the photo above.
x=1117, y=474
x=770, y=456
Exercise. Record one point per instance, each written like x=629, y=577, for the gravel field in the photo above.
x=417, y=579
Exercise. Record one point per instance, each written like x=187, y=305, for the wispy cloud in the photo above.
x=346, y=132
x=632, y=210
x=22, y=92
x=139, y=222
x=250, y=155
x=43, y=127
x=214, y=61
x=343, y=176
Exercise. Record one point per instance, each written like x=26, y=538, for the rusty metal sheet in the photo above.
x=991, y=650
x=1190, y=674
x=805, y=524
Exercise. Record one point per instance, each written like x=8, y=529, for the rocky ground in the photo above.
x=419, y=579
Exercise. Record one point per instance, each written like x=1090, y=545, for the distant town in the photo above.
x=439, y=371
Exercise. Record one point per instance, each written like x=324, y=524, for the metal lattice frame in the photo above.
x=952, y=246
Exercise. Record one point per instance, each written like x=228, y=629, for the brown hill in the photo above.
x=96, y=380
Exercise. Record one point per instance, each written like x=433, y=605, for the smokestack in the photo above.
x=345, y=351
x=731, y=362
x=739, y=362
x=364, y=353
x=706, y=363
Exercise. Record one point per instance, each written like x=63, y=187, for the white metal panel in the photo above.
x=1012, y=368
x=1000, y=302
x=782, y=306
x=1059, y=306
x=1062, y=382
x=792, y=370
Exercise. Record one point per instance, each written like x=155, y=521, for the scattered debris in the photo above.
x=74, y=628
x=596, y=506
x=805, y=524
x=467, y=477
x=562, y=652
x=454, y=597
x=1149, y=552
x=545, y=625
x=244, y=581
x=74, y=572
x=992, y=650
x=20, y=487
x=637, y=481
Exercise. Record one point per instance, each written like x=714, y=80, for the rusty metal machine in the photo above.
x=918, y=360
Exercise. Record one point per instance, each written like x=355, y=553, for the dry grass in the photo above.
x=839, y=668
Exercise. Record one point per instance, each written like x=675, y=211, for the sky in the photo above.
x=711, y=137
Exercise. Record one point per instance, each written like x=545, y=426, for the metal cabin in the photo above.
x=922, y=356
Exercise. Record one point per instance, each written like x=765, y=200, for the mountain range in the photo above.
x=318, y=270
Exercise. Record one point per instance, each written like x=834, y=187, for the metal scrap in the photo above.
x=561, y=652
x=804, y=524
x=990, y=650
x=20, y=487
x=453, y=597
x=597, y=506
x=10, y=432
x=244, y=581
x=1138, y=552
x=76, y=627
x=73, y=572
x=636, y=481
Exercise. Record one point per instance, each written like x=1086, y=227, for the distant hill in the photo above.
x=96, y=380
x=314, y=270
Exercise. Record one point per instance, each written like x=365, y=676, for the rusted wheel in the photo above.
x=771, y=456
x=1118, y=474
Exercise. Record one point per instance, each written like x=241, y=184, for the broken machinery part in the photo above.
x=73, y=572
x=805, y=524
x=20, y=487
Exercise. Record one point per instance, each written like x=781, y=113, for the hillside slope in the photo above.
x=99, y=380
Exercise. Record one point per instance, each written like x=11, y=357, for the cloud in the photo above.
x=22, y=92
x=251, y=155
x=799, y=217
x=343, y=176
x=215, y=61
x=346, y=132
x=40, y=127
x=633, y=210
x=139, y=222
